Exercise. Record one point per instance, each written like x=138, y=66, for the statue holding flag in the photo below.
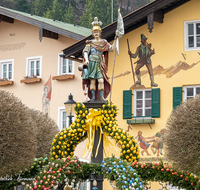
x=95, y=64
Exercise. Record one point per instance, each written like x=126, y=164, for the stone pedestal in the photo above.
x=98, y=159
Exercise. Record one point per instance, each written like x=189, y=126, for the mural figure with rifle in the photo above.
x=144, y=52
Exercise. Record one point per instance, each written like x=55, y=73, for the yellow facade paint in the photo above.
x=167, y=39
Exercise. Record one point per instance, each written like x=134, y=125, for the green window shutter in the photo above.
x=127, y=104
x=155, y=102
x=177, y=96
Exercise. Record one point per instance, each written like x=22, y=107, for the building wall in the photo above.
x=27, y=36
x=168, y=40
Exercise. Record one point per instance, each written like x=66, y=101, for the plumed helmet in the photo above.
x=96, y=24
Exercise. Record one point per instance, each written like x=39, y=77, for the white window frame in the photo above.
x=60, y=118
x=194, y=91
x=60, y=66
x=35, y=58
x=187, y=48
x=143, y=108
x=7, y=62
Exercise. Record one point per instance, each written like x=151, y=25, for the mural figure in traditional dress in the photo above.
x=144, y=53
x=96, y=61
x=157, y=145
x=143, y=143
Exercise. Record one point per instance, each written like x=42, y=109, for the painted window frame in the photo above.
x=60, y=66
x=7, y=62
x=143, y=103
x=186, y=35
x=61, y=111
x=194, y=91
x=28, y=68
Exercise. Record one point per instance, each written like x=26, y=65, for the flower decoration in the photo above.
x=122, y=173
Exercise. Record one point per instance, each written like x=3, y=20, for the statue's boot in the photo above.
x=101, y=95
x=93, y=95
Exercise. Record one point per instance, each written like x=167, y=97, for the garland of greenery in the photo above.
x=8, y=182
x=66, y=140
x=72, y=171
x=167, y=173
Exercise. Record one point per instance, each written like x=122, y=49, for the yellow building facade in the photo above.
x=175, y=64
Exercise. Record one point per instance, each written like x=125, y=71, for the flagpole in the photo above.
x=113, y=71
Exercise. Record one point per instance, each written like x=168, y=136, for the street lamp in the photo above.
x=69, y=106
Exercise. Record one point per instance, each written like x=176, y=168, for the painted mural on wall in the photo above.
x=150, y=146
x=46, y=98
x=144, y=53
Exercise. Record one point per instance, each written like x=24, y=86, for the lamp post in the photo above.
x=69, y=106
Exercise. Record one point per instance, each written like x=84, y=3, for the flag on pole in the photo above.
x=120, y=30
x=48, y=84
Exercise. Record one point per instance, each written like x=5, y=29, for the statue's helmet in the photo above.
x=96, y=24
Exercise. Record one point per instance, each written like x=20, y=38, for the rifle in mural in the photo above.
x=119, y=33
x=131, y=62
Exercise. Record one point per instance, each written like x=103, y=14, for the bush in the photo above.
x=24, y=134
x=183, y=136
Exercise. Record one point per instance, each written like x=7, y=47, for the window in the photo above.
x=146, y=103
x=191, y=91
x=34, y=66
x=192, y=35
x=63, y=120
x=142, y=102
x=7, y=68
x=65, y=66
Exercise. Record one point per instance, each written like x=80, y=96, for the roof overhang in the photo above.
x=153, y=11
x=13, y=15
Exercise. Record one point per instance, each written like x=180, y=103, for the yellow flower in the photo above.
x=59, y=142
x=123, y=146
x=86, y=111
x=83, y=115
x=53, y=148
x=56, y=156
x=78, y=105
x=59, y=151
x=68, y=149
x=80, y=111
x=127, y=145
x=71, y=153
x=61, y=138
x=61, y=134
x=68, y=145
x=124, y=152
x=109, y=111
x=52, y=158
x=69, y=134
x=82, y=121
x=105, y=111
x=128, y=151
x=76, y=112
x=54, y=140
x=103, y=106
x=121, y=154
x=57, y=146
x=54, y=153
x=65, y=152
x=138, y=156
x=83, y=106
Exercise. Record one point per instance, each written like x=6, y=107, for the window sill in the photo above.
x=5, y=83
x=63, y=77
x=141, y=120
x=29, y=81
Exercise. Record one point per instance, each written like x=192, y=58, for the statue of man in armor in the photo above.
x=95, y=56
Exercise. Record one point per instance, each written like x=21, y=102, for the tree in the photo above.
x=70, y=16
x=183, y=136
x=24, y=134
x=22, y=5
x=100, y=9
x=39, y=7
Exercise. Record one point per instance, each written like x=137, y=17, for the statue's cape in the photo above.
x=102, y=46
